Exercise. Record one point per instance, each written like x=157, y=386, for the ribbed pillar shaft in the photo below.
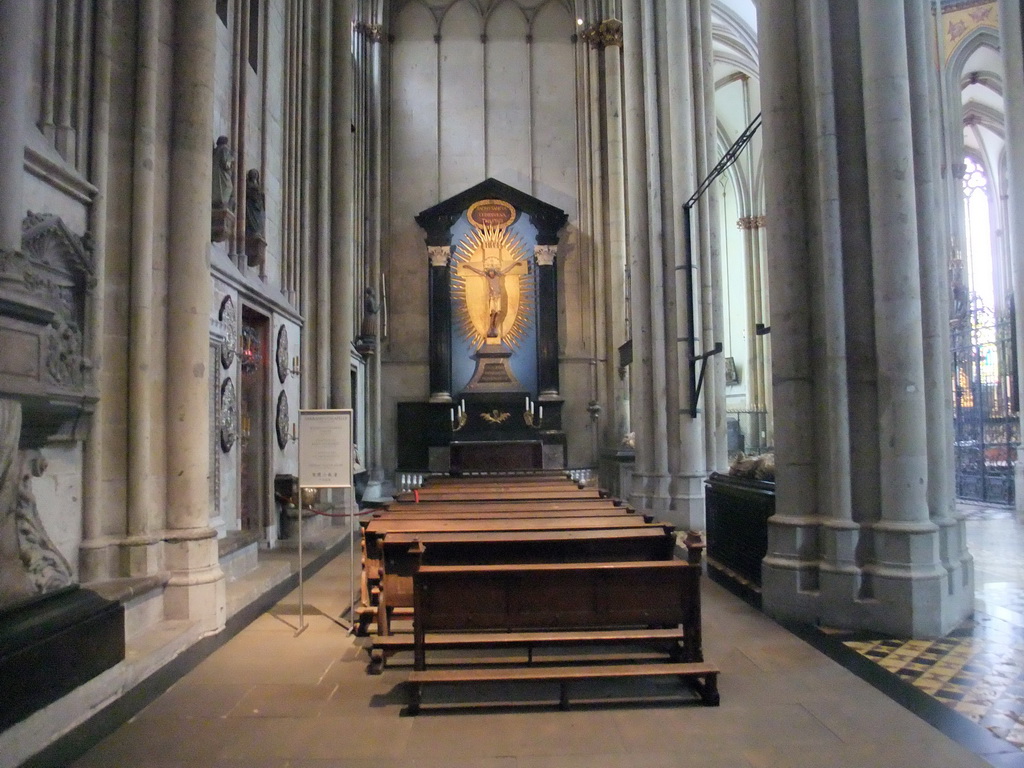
x=787, y=277
x=343, y=237
x=682, y=113
x=615, y=213
x=1011, y=20
x=142, y=366
x=643, y=153
x=16, y=36
x=790, y=571
x=95, y=560
x=931, y=201
x=324, y=126
x=374, y=212
x=839, y=573
x=895, y=248
x=196, y=588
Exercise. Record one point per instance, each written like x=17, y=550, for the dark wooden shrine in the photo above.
x=494, y=422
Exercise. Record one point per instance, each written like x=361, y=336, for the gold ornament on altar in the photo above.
x=491, y=286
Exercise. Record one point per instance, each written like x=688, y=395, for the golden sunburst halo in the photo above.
x=491, y=287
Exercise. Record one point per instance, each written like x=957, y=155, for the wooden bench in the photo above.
x=376, y=529
x=497, y=606
x=499, y=493
x=503, y=505
x=400, y=553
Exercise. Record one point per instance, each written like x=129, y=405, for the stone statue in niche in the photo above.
x=366, y=343
x=223, y=200
x=255, y=219
x=223, y=166
x=30, y=563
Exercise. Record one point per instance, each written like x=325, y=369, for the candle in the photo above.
x=541, y=412
x=293, y=431
x=453, y=413
x=527, y=405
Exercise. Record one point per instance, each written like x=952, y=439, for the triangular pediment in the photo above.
x=438, y=219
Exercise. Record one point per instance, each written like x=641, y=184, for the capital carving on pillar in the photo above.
x=372, y=32
x=439, y=255
x=751, y=222
x=604, y=34
x=545, y=254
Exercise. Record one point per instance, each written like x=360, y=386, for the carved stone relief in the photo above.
x=281, y=422
x=282, y=354
x=46, y=383
x=228, y=415
x=230, y=320
x=30, y=563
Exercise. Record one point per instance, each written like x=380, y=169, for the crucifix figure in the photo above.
x=491, y=269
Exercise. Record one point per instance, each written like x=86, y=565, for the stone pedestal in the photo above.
x=222, y=225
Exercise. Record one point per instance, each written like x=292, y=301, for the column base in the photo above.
x=650, y=492
x=906, y=591
x=142, y=555
x=196, y=589
x=687, y=500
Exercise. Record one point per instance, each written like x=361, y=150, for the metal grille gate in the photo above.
x=985, y=423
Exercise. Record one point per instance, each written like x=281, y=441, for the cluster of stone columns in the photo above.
x=864, y=533
x=666, y=105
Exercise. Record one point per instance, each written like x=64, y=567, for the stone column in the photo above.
x=196, y=587
x=141, y=548
x=650, y=480
x=790, y=569
x=342, y=231
x=1011, y=22
x=839, y=574
x=906, y=572
x=324, y=128
x=375, y=482
x=17, y=18
x=931, y=202
x=96, y=555
x=615, y=215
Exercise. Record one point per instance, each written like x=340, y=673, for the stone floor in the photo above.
x=271, y=698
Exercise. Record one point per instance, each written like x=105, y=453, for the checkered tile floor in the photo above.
x=978, y=669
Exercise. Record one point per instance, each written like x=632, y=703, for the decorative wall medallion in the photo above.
x=228, y=410
x=282, y=354
x=227, y=316
x=282, y=420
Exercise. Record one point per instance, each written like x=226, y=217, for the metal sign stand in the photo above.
x=327, y=462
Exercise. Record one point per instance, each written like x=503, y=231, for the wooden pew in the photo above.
x=376, y=529
x=499, y=493
x=544, y=476
x=404, y=553
x=385, y=580
x=527, y=606
x=427, y=515
x=504, y=505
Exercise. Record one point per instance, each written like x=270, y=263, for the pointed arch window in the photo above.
x=978, y=231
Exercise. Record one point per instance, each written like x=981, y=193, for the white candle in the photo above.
x=540, y=412
x=453, y=413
